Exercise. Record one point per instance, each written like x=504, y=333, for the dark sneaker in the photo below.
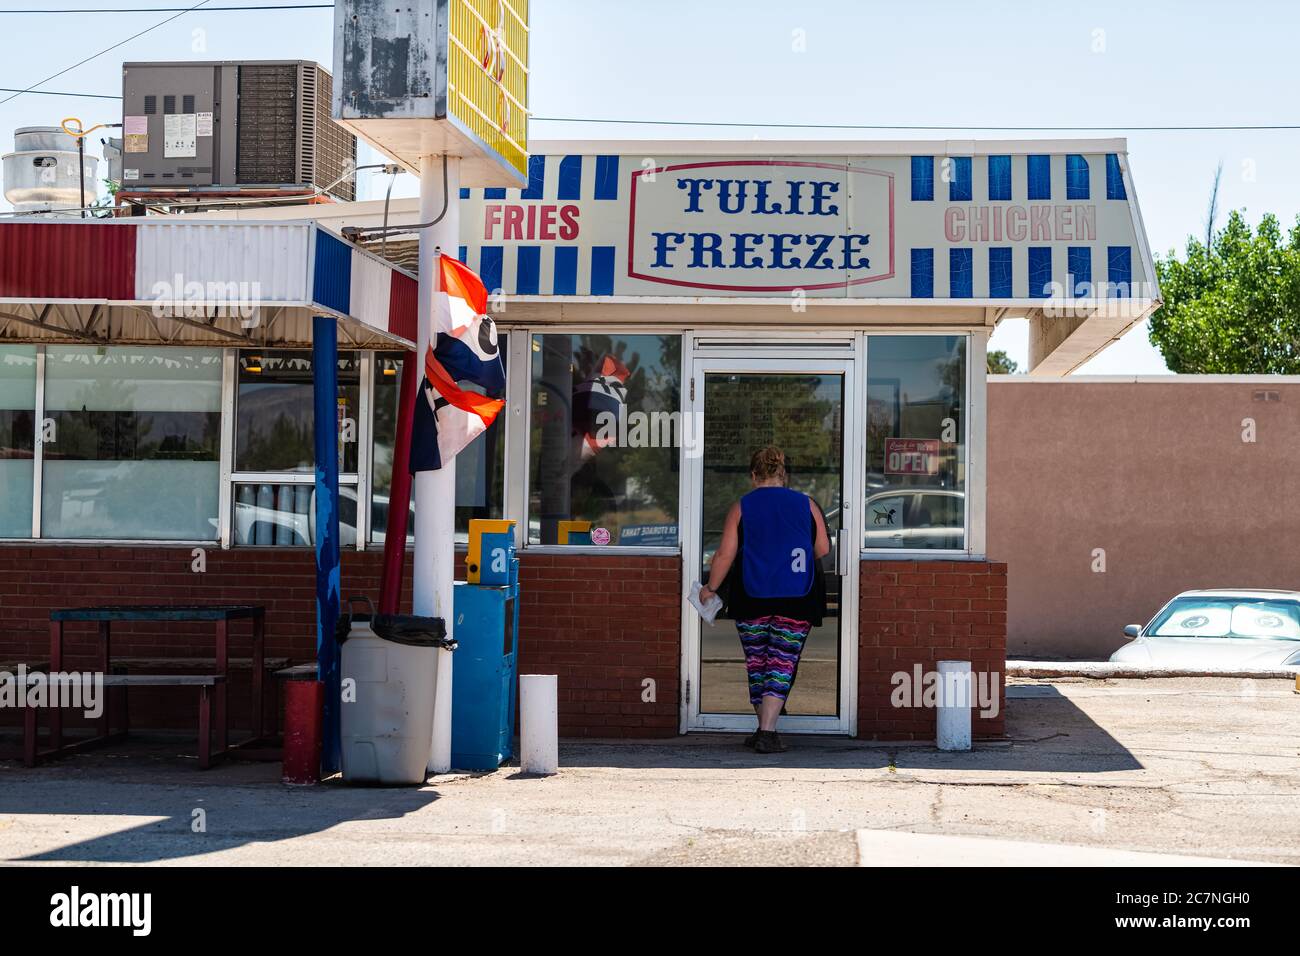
x=752, y=740
x=769, y=742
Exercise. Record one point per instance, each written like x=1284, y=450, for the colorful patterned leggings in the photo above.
x=772, y=647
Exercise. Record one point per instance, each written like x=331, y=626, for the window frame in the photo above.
x=38, y=413
x=523, y=424
x=38, y=469
x=231, y=477
x=974, y=398
x=518, y=413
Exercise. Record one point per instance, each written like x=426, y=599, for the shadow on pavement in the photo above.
x=156, y=791
x=1046, y=732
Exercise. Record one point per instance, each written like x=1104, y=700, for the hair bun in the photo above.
x=767, y=462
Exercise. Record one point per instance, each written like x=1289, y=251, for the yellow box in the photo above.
x=577, y=528
x=477, y=528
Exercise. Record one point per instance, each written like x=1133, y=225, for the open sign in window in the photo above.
x=911, y=456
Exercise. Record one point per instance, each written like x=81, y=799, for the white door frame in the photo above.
x=840, y=355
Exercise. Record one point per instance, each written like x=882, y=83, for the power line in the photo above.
x=933, y=128
x=878, y=127
x=14, y=96
x=96, y=96
x=267, y=6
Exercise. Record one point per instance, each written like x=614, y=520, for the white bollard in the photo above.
x=539, y=740
x=953, y=723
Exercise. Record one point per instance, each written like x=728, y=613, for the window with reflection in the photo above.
x=605, y=425
x=17, y=438
x=133, y=443
x=275, y=431
x=480, y=466
x=276, y=414
x=916, y=442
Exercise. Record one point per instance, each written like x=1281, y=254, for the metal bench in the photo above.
x=204, y=682
x=29, y=713
x=210, y=663
x=215, y=711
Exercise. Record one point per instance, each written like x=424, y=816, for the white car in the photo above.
x=1219, y=629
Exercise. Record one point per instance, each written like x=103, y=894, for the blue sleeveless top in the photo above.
x=777, y=557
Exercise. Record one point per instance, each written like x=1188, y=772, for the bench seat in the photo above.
x=208, y=663
x=204, y=682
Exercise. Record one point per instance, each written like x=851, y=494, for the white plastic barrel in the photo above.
x=387, y=728
x=952, y=730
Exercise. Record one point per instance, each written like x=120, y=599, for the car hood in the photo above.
x=1206, y=652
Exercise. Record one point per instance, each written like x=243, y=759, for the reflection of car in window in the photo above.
x=923, y=518
x=263, y=517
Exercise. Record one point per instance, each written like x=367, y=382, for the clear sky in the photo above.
x=941, y=62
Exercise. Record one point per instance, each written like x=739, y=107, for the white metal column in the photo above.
x=435, y=491
x=38, y=442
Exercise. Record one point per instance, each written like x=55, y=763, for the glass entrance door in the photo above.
x=801, y=407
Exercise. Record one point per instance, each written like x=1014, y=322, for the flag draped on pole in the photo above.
x=464, y=379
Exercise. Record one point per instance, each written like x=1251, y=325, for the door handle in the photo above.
x=842, y=552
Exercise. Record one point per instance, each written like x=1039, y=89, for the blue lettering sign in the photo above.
x=662, y=248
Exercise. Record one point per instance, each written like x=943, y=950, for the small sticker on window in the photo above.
x=600, y=536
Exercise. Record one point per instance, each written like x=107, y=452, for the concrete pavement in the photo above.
x=1184, y=767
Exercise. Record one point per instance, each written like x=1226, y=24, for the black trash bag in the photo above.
x=409, y=629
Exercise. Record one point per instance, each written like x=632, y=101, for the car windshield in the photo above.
x=1228, y=616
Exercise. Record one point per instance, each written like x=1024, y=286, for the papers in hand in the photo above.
x=708, y=609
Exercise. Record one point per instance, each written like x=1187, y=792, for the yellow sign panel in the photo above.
x=487, y=74
x=477, y=528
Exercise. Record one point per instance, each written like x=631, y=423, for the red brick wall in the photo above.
x=34, y=579
x=922, y=612
x=604, y=625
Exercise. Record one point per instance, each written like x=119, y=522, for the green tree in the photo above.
x=1000, y=363
x=1232, y=307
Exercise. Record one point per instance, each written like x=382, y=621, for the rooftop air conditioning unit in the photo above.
x=233, y=126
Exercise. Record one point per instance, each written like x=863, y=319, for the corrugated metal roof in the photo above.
x=67, y=260
x=174, y=281
x=270, y=259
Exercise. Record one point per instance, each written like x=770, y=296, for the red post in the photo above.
x=399, y=495
x=303, y=707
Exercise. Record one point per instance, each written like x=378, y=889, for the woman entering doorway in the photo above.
x=775, y=592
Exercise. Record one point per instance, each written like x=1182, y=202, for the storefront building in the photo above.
x=666, y=308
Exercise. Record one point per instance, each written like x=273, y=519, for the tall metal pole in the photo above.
x=324, y=358
x=399, y=489
x=435, y=491
x=81, y=163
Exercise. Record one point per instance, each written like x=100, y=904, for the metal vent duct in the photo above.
x=41, y=173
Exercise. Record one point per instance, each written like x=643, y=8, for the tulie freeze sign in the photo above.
x=760, y=225
x=909, y=224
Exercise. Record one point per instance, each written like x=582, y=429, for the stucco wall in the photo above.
x=1155, y=473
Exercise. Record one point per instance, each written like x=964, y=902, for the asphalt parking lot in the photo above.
x=1190, y=767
